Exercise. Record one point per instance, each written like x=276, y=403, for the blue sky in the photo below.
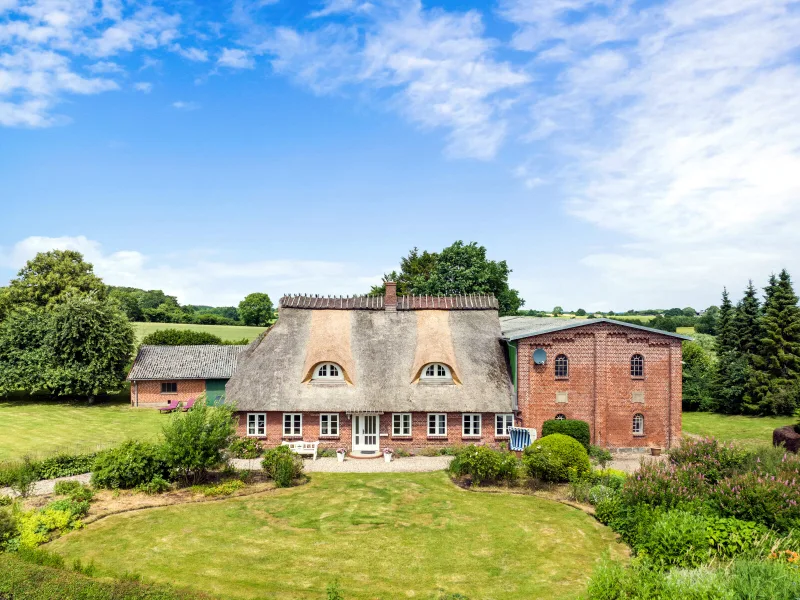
x=617, y=154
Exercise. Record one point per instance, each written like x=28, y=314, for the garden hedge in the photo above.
x=555, y=457
x=575, y=429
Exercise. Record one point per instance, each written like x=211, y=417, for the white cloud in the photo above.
x=105, y=66
x=183, y=105
x=332, y=7
x=439, y=67
x=196, y=278
x=143, y=86
x=194, y=54
x=682, y=139
x=235, y=58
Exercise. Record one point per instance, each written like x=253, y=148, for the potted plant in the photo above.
x=387, y=454
x=340, y=452
x=655, y=451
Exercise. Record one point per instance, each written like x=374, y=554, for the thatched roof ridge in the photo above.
x=270, y=376
x=424, y=302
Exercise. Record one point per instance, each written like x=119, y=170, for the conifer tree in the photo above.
x=776, y=380
x=733, y=370
x=726, y=339
x=747, y=322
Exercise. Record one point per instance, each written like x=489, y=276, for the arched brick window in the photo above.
x=560, y=417
x=562, y=366
x=637, y=365
x=638, y=424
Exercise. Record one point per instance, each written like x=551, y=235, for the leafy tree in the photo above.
x=674, y=312
x=580, y=312
x=689, y=312
x=256, y=309
x=78, y=347
x=194, y=441
x=50, y=276
x=698, y=375
x=127, y=301
x=558, y=311
x=707, y=323
x=777, y=368
x=458, y=269
x=180, y=337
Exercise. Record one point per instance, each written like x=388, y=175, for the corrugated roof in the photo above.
x=515, y=328
x=463, y=302
x=185, y=362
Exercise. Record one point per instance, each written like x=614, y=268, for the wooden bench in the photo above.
x=303, y=448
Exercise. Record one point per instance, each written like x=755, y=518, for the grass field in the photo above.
x=381, y=535
x=226, y=332
x=42, y=428
x=747, y=431
x=685, y=330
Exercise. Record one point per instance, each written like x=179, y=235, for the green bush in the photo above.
x=709, y=457
x=23, y=477
x=677, y=539
x=763, y=580
x=634, y=523
x=728, y=537
x=282, y=465
x=612, y=478
x=598, y=493
x=75, y=490
x=22, y=580
x=578, y=430
x=129, y=465
x=77, y=509
x=65, y=465
x=157, y=485
x=194, y=441
x=36, y=527
x=600, y=455
x=180, y=337
x=485, y=465
x=6, y=500
x=607, y=509
x=248, y=448
x=225, y=488
x=551, y=458
x=8, y=527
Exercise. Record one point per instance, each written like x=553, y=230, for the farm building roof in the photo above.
x=382, y=354
x=515, y=328
x=185, y=362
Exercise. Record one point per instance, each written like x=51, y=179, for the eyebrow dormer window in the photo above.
x=328, y=372
x=436, y=372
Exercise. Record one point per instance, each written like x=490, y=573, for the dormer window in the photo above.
x=436, y=372
x=328, y=372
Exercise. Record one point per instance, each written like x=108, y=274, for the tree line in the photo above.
x=63, y=332
x=755, y=365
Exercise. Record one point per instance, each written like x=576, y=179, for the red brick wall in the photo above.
x=149, y=392
x=419, y=431
x=600, y=387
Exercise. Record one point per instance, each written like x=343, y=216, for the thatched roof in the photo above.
x=185, y=362
x=463, y=302
x=382, y=353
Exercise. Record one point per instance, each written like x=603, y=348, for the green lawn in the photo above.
x=226, y=332
x=748, y=431
x=383, y=536
x=42, y=428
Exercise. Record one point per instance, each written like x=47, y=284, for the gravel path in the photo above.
x=629, y=463
x=46, y=486
x=414, y=464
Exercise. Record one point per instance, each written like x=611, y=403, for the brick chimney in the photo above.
x=390, y=298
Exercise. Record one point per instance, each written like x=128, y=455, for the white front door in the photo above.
x=365, y=434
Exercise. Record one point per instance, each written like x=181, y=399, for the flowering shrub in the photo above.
x=245, y=448
x=773, y=500
x=709, y=457
x=485, y=465
x=666, y=485
x=676, y=539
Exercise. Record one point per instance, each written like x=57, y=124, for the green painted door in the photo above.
x=215, y=391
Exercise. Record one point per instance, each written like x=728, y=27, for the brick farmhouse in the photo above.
x=367, y=373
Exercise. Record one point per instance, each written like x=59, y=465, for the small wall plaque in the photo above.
x=638, y=397
x=562, y=397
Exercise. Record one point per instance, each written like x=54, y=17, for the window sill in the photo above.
x=471, y=437
x=637, y=378
x=435, y=382
x=328, y=383
x=437, y=437
x=562, y=378
x=501, y=437
x=292, y=437
x=169, y=393
x=329, y=437
x=256, y=437
x=639, y=435
x=402, y=437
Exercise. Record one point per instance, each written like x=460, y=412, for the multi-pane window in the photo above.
x=562, y=366
x=292, y=424
x=401, y=424
x=329, y=424
x=471, y=425
x=501, y=424
x=437, y=424
x=257, y=424
x=436, y=371
x=637, y=365
x=169, y=387
x=638, y=424
x=328, y=371
x=560, y=417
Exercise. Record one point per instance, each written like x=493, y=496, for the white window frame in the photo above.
x=291, y=433
x=502, y=421
x=438, y=369
x=332, y=423
x=560, y=417
x=252, y=419
x=438, y=420
x=640, y=418
x=401, y=424
x=638, y=365
x=326, y=368
x=468, y=422
x=564, y=360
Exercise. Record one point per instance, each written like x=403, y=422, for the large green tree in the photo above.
x=458, y=269
x=698, y=374
x=256, y=309
x=733, y=371
x=51, y=276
